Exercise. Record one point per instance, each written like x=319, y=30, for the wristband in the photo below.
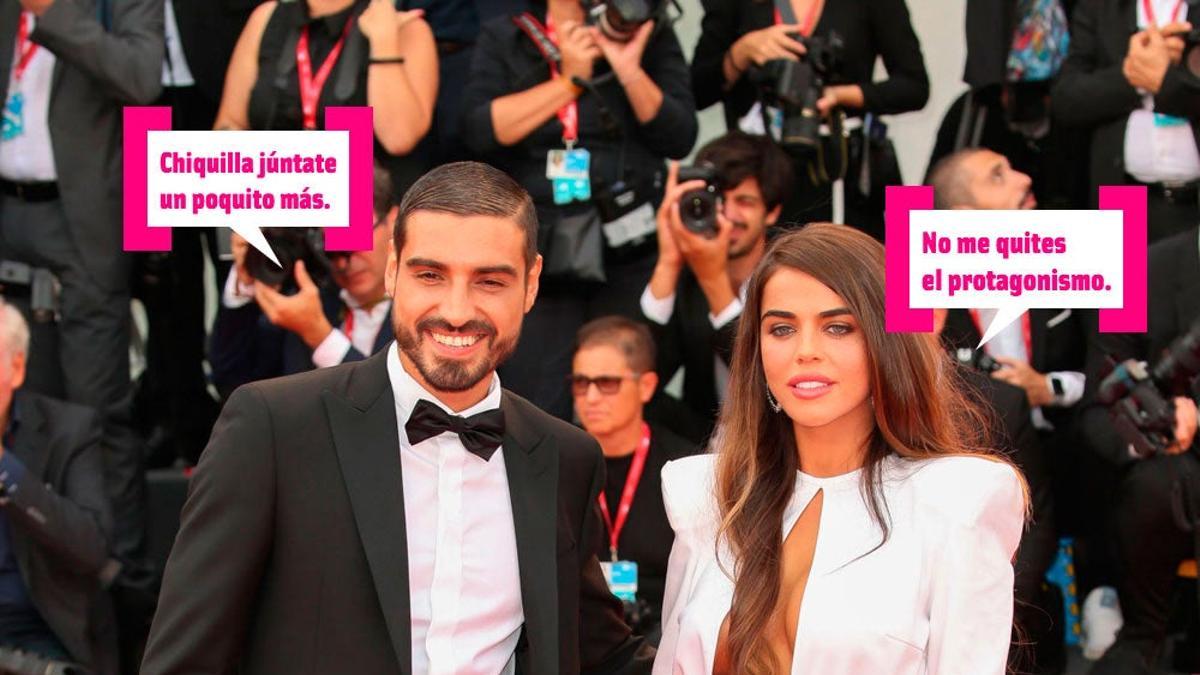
x=394, y=59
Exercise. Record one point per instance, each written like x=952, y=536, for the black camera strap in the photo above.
x=785, y=12
x=533, y=29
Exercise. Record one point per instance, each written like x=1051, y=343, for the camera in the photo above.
x=620, y=19
x=795, y=87
x=290, y=244
x=698, y=208
x=1140, y=397
x=38, y=283
x=976, y=359
x=1191, y=51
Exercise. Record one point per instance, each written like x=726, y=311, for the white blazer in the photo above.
x=935, y=599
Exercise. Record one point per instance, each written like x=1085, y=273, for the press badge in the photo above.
x=1161, y=120
x=569, y=174
x=14, y=116
x=622, y=579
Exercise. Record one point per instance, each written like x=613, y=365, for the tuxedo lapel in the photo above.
x=30, y=444
x=10, y=17
x=532, y=468
x=363, y=421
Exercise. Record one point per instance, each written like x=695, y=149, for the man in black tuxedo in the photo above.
x=1149, y=541
x=695, y=296
x=348, y=519
x=260, y=332
x=1124, y=80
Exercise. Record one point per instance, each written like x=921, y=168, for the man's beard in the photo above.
x=746, y=245
x=445, y=374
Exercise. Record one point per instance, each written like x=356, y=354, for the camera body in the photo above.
x=290, y=244
x=620, y=19
x=976, y=359
x=698, y=208
x=796, y=87
x=1191, y=51
x=1140, y=398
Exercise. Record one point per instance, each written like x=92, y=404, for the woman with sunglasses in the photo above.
x=612, y=380
x=853, y=518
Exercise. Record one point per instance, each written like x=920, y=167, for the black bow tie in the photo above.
x=480, y=434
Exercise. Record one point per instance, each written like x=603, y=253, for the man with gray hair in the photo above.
x=54, y=521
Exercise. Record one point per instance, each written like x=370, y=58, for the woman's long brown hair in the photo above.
x=921, y=410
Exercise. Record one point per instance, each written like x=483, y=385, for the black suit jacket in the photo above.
x=291, y=553
x=1173, y=302
x=208, y=30
x=246, y=347
x=1057, y=337
x=1092, y=92
x=60, y=520
x=689, y=341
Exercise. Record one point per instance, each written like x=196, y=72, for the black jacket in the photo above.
x=60, y=521
x=1058, y=340
x=208, y=30
x=506, y=62
x=870, y=29
x=291, y=553
x=1091, y=91
x=689, y=341
x=246, y=347
x=1173, y=302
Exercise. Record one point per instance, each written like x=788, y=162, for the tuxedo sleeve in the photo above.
x=606, y=643
x=216, y=566
x=1089, y=91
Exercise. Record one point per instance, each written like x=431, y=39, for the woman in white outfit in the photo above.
x=852, y=520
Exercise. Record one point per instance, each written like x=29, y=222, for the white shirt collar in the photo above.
x=407, y=391
x=353, y=305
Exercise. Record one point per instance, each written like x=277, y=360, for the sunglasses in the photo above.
x=607, y=384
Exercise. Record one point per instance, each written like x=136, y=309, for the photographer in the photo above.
x=260, y=332
x=741, y=38
x=612, y=379
x=360, y=53
x=1124, y=80
x=582, y=116
x=1150, y=541
x=695, y=296
x=54, y=522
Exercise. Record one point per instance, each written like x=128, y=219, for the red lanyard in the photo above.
x=310, y=87
x=1151, y=19
x=631, y=482
x=568, y=115
x=25, y=46
x=1026, y=334
x=348, y=323
x=810, y=19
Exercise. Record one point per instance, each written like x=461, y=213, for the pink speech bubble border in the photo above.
x=901, y=317
x=357, y=120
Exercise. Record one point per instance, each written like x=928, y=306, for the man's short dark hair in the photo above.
x=470, y=189
x=384, y=200
x=631, y=338
x=950, y=181
x=738, y=155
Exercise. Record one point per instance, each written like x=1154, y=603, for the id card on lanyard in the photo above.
x=622, y=574
x=14, y=107
x=568, y=169
x=310, y=85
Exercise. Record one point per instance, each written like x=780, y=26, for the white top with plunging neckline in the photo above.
x=935, y=599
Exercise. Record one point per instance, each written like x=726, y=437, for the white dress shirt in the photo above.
x=464, y=586
x=1156, y=152
x=935, y=599
x=659, y=310
x=1010, y=342
x=29, y=157
x=365, y=329
x=175, y=67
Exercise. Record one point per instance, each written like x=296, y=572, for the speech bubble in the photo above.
x=1013, y=261
x=248, y=180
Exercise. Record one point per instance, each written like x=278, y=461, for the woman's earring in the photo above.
x=774, y=404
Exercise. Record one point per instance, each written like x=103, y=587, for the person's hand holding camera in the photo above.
x=1185, y=426
x=381, y=23
x=579, y=50
x=625, y=58
x=766, y=44
x=1147, y=60
x=300, y=313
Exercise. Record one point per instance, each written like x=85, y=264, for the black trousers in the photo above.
x=84, y=357
x=1151, y=545
x=539, y=367
x=811, y=199
x=1166, y=218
